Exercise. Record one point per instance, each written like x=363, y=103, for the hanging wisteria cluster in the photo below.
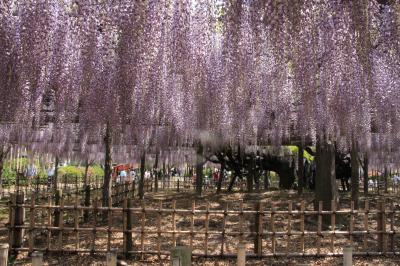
x=167, y=73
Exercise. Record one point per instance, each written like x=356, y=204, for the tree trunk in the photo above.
x=266, y=180
x=232, y=183
x=107, y=166
x=56, y=173
x=385, y=180
x=257, y=182
x=286, y=176
x=156, y=173
x=300, y=172
x=365, y=173
x=354, y=174
x=250, y=177
x=221, y=177
x=85, y=177
x=141, y=180
x=199, y=169
x=1, y=174
x=164, y=170
x=325, y=181
x=86, y=188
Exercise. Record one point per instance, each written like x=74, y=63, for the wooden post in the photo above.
x=87, y=204
x=300, y=171
x=333, y=224
x=223, y=228
x=57, y=201
x=289, y=230
x=173, y=223
x=31, y=222
x=382, y=243
x=141, y=180
x=366, y=211
x=128, y=242
x=352, y=204
x=142, y=235
x=192, y=224
x=17, y=219
x=392, y=228
x=258, y=229
x=319, y=235
x=159, y=214
x=76, y=222
x=207, y=226
x=302, y=209
x=95, y=211
x=60, y=224
x=109, y=222
x=241, y=221
x=273, y=227
x=49, y=224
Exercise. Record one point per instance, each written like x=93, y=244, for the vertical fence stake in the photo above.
x=128, y=242
x=302, y=209
x=17, y=219
x=381, y=226
x=366, y=211
x=258, y=225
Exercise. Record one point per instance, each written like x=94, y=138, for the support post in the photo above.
x=382, y=237
x=141, y=180
x=58, y=196
x=300, y=171
x=258, y=229
x=128, y=242
x=17, y=219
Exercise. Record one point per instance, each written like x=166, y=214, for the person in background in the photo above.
x=147, y=175
x=216, y=176
x=50, y=177
x=133, y=175
x=122, y=176
x=31, y=171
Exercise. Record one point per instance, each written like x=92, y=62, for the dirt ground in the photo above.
x=69, y=260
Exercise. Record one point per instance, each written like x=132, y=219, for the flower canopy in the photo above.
x=166, y=73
